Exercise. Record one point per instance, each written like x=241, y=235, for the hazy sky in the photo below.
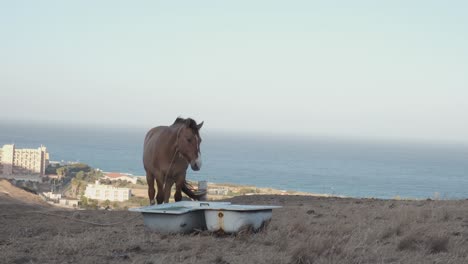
x=390, y=69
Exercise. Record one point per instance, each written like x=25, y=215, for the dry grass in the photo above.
x=305, y=230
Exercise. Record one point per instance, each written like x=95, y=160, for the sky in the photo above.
x=364, y=69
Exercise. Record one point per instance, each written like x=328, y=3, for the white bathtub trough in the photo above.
x=231, y=218
x=179, y=217
x=184, y=217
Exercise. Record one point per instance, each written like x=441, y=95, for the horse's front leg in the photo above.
x=180, y=182
x=167, y=189
x=160, y=195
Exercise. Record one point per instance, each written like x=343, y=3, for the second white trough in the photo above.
x=231, y=218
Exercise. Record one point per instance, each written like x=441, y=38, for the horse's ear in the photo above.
x=179, y=120
x=199, y=126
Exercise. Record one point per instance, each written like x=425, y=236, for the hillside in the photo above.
x=11, y=194
x=306, y=230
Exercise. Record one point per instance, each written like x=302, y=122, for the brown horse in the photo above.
x=167, y=152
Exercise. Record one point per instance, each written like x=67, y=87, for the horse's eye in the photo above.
x=189, y=140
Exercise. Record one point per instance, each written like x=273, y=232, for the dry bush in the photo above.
x=396, y=230
x=437, y=244
x=246, y=232
x=278, y=239
x=321, y=245
x=201, y=246
x=443, y=215
x=409, y=242
x=425, y=238
x=298, y=227
x=220, y=260
x=301, y=255
x=67, y=244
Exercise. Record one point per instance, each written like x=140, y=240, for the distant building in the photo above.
x=69, y=202
x=115, y=176
x=218, y=191
x=57, y=199
x=54, y=164
x=15, y=161
x=52, y=196
x=55, y=176
x=106, y=192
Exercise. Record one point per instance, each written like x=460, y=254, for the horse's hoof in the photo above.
x=152, y=202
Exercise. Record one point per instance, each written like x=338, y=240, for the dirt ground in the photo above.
x=306, y=230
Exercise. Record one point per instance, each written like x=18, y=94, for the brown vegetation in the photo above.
x=9, y=194
x=306, y=230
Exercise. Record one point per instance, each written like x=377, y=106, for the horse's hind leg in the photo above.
x=151, y=190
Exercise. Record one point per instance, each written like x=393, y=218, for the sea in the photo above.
x=345, y=167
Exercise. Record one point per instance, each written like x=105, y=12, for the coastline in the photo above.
x=219, y=191
x=227, y=190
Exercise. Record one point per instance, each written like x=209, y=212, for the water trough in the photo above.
x=188, y=216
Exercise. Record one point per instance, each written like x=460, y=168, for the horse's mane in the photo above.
x=189, y=122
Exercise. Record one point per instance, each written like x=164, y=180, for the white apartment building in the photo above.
x=106, y=192
x=15, y=161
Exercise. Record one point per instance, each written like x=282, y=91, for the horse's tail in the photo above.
x=188, y=189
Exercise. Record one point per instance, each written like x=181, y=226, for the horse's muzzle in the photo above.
x=196, y=165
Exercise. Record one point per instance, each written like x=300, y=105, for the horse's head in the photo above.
x=189, y=140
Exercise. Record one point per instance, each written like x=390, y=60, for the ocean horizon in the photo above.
x=352, y=168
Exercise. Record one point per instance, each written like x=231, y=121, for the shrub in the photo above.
x=141, y=182
x=409, y=242
x=247, y=190
x=437, y=244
